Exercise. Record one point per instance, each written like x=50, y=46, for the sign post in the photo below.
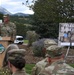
x=66, y=36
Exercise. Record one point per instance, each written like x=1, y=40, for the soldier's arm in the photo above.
x=34, y=70
x=44, y=72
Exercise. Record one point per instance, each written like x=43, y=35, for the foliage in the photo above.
x=71, y=65
x=31, y=36
x=38, y=47
x=22, y=24
x=49, y=13
x=1, y=16
x=26, y=41
x=29, y=67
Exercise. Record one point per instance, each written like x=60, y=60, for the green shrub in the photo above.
x=71, y=65
x=31, y=36
x=38, y=47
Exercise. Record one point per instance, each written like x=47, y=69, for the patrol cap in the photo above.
x=54, y=50
x=9, y=47
x=49, y=42
x=17, y=58
x=5, y=15
x=54, y=47
x=14, y=53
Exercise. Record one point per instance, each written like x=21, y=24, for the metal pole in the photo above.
x=70, y=35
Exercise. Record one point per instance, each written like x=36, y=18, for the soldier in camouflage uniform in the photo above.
x=57, y=66
x=10, y=47
x=16, y=61
x=5, y=70
x=8, y=28
x=43, y=63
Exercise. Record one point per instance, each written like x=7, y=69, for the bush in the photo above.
x=38, y=47
x=31, y=36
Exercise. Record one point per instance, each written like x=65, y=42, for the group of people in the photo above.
x=14, y=59
x=53, y=63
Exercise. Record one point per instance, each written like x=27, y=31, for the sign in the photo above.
x=0, y=38
x=66, y=34
x=0, y=21
x=1, y=48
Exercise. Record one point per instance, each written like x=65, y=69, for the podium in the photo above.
x=4, y=42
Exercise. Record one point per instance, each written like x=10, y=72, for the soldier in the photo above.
x=11, y=46
x=43, y=63
x=57, y=66
x=8, y=28
x=16, y=61
x=5, y=70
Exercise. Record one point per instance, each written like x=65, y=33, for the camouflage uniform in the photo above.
x=8, y=30
x=16, y=55
x=49, y=42
x=20, y=72
x=58, y=67
x=43, y=63
x=5, y=71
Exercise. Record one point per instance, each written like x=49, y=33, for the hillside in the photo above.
x=22, y=24
x=4, y=11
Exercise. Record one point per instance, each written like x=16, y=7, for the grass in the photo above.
x=71, y=65
x=25, y=41
x=29, y=67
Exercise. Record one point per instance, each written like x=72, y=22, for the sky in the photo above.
x=15, y=6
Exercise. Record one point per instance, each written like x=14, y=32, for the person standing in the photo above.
x=16, y=61
x=8, y=28
x=57, y=66
x=4, y=70
x=46, y=61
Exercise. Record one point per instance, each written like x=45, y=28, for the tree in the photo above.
x=1, y=16
x=49, y=13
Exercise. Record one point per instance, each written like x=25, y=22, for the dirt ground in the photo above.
x=30, y=58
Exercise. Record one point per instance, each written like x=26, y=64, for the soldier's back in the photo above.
x=58, y=68
x=20, y=72
x=39, y=66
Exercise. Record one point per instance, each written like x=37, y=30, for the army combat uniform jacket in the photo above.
x=5, y=71
x=8, y=29
x=39, y=66
x=20, y=72
x=58, y=68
